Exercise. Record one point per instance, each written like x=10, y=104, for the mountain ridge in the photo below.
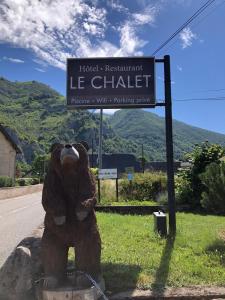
x=151, y=128
x=37, y=116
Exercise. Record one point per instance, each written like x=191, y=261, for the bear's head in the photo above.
x=69, y=156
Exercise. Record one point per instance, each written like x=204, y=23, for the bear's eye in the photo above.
x=54, y=146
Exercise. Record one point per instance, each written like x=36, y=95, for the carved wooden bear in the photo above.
x=69, y=197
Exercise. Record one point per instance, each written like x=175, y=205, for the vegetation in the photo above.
x=213, y=196
x=36, y=116
x=108, y=191
x=27, y=181
x=22, y=169
x=6, y=181
x=134, y=256
x=144, y=186
x=189, y=185
x=146, y=128
x=128, y=203
x=40, y=165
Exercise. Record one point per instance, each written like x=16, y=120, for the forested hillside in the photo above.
x=147, y=128
x=36, y=116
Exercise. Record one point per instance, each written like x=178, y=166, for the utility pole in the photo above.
x=92, y=153
x=142, y=158
x=100, y=141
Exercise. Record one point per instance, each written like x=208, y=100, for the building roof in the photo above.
x=11, y=141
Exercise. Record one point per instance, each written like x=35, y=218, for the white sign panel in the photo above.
x=107, y=174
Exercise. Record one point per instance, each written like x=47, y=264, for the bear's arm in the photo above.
x=87, y=191
x=53, y=196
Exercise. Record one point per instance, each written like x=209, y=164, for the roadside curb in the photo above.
x=189, y=293
x=129, y=209
x=13, y=192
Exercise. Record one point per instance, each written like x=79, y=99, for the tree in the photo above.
x=213, y=179
x=189, y=186
x=40, y=164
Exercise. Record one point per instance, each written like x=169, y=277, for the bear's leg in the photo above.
x=88, y=253
x=54, y=258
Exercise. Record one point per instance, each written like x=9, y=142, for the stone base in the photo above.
x=21, y=270
x=70, y=293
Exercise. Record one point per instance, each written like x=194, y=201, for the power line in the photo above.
x=200, y=21
x=200, y=99
x=194, y=16
x=203, y=91
x=217, y=98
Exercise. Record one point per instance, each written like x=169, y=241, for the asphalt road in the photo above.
x=18, y=218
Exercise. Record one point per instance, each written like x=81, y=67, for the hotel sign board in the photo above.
x=111, y=82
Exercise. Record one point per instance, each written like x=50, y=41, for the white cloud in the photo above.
x=53, y=30
x=117, y=6
x=130, y=43
x=40, y=62
x=110, y=111
x=146, y=16
x=56, y=30
x=40, y=70
x=13, y=60
x=187, y=37
x=179, y=68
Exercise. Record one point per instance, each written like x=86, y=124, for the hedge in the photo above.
x=6, y=181
x=144, y=186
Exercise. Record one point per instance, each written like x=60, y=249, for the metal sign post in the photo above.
x=169, y=146
x=100, y=141
x=169, y=143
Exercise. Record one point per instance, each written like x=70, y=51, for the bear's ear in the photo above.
x=85, y=144
x=54, y=146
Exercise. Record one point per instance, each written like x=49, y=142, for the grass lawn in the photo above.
x=130, y=203
x=134, y=256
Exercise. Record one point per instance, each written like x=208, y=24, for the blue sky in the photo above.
x=36, y=37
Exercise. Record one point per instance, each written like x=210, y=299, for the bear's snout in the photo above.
x=68, y=146
x=69, y=154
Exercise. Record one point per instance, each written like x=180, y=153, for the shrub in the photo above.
x=213, y=179
x=40, y=164
x=189, y=186
x=108, y=191
x=144, y=186
x=35, y=180
x=162, y=198
x=6, y=181
x=94, y=171
x=27, y=181
x=183, y=188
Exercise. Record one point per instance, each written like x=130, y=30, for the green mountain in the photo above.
x=36, y=116
x=148, y=129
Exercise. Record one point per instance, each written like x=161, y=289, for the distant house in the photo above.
x=8, y=152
